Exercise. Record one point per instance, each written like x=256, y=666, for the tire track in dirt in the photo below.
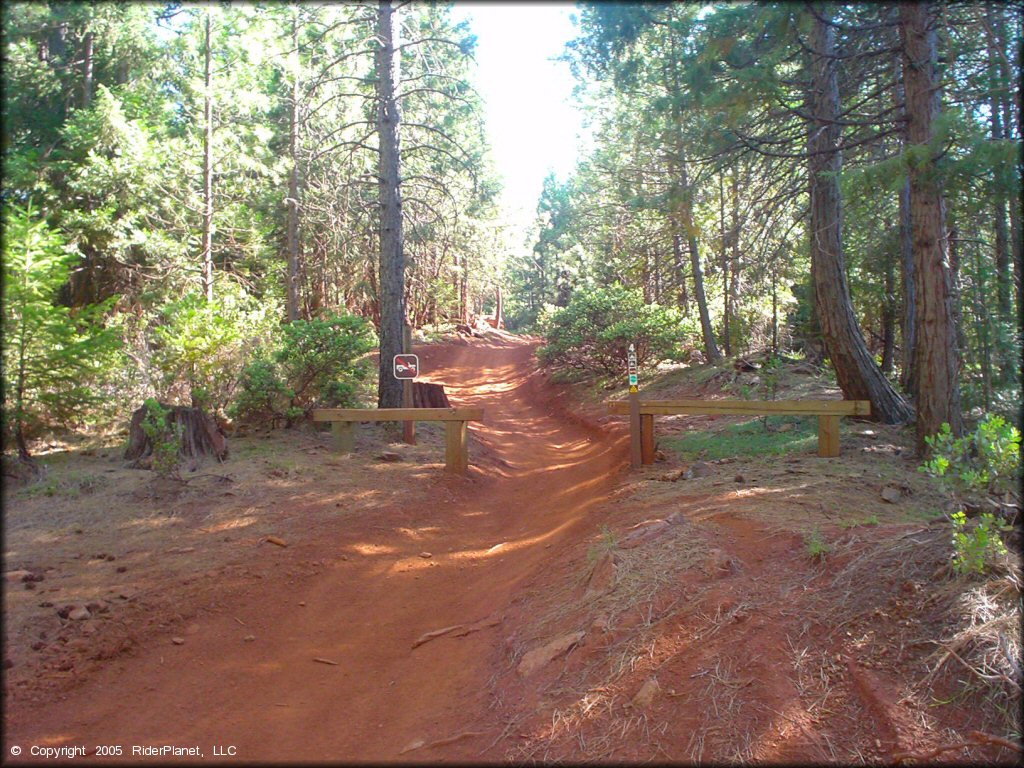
x=271, y=700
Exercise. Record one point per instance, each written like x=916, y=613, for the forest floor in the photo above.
x=740, y=599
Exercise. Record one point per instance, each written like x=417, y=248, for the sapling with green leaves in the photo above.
x=52, y=356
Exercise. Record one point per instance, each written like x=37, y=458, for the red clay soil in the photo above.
x=270, y=700
x=322, y=663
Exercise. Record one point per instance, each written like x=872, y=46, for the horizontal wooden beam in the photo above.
x=749, y=407
x=398, y=414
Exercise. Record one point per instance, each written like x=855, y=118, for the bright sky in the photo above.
x=531, y=123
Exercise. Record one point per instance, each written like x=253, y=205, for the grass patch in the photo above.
x=815, y=546
x=749, y=438
x=73, y=485
x=871, y=520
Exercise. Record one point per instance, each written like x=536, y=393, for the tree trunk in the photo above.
x=908, y=374
x=1007, y=104
x=889, y=316
x=87, y=69
x=686, y=220
x=1001, y=186
x=908, y=319
x=726, y=333
x=392, y=255
x=938, y=360
x=293, y=179
x=677, y=262
x=981, y=323
x=207, y=241
x=499, y=309
x=856, y=372
x=734, y=247
x=775, y=309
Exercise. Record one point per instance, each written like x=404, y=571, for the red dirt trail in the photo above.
x=376, y=595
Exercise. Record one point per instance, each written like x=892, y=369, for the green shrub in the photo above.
x=982, y=464
x=596, y=328
x=815, y=546
x=317, y=364
x=986, y=461
x=200, y=347
x=165, y=437
x=975, y=549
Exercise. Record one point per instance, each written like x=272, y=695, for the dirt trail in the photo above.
x=270, y=700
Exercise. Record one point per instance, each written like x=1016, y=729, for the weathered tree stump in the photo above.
x=426, y=395
x=200, y=435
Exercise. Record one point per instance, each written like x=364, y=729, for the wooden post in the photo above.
x=647, y=438
x=456, y=454
x=344, y=435
x=828, y=436
x=408, y=427
x=635, y=453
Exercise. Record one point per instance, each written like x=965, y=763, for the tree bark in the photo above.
x=1009, y=105
x=938, y=359
x=726, y=314
x=207, y=237
x=87, y=69
x=889, y=316
x=686, y=220
x=908, y=374
x=733, y=293
x=1001, y=185
x=293, y=179
x=392, y=254
x=856, y=372
x=677, y=263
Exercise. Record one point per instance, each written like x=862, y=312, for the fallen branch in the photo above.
x=456, y=630
x=273, y=540
x=427, y=637
x=420, y=744
x=975, y=738
x=327, y=661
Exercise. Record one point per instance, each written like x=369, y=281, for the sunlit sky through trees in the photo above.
x=532, y=125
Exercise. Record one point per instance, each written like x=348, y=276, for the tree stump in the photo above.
x=426, y=395
x=200, y=435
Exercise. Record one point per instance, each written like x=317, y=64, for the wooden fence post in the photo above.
x=828, y=436
x=344, y=436
x=647, y=438
x=408, y=427
x=635, y=452
x=456, y=453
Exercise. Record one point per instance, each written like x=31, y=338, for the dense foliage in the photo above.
x=212, y=172
x=696, y=190
x=319, y=363
x=53, y=357
x=595, y=329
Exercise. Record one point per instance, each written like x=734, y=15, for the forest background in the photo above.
x=231, y=205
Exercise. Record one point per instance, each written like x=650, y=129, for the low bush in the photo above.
x=980, y=468
x=594, y=331
x=317, y=364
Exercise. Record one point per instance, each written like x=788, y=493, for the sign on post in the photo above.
x=634, y=409
x=406, y=366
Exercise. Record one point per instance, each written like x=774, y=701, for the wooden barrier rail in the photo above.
x=456, y=454
x=827, y=411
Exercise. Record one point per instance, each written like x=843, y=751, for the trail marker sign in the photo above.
x=406, y=366
x=635, y=455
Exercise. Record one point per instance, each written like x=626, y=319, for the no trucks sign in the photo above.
x=406, y=366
